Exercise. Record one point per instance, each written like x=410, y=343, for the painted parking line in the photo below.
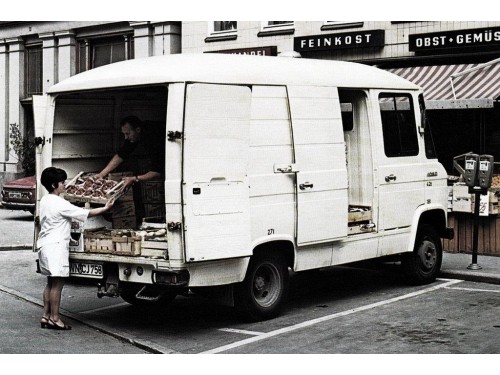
x=474, y=290
x=242, y=331
x=312, y=322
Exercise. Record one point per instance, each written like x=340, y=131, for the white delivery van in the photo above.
x=271, y=164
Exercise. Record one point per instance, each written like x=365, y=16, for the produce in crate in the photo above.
x=87, y=188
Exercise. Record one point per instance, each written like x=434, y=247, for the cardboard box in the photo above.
x=462, y=200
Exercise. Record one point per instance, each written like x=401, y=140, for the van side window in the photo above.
x=398, y=125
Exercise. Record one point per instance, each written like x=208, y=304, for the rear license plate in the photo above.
x=83, y=269
x=15, y=194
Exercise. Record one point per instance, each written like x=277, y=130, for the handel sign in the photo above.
x=455, y=39
x=369, y=38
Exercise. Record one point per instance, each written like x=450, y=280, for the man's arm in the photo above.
x=151, y=175
x=112, y=165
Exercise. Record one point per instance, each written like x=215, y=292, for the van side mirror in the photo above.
x=423, y=115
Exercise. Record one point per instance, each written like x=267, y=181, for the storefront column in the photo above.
x=167, y=38
x=4, y=103
x=49, y=52
x=66, y=55
x=143, y=44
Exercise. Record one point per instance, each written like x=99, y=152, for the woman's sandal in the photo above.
x=52, y=325
x=44, y=322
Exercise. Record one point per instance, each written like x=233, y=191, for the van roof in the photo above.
x=232, y=69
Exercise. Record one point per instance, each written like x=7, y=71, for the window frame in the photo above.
x=213, y=32
x=89, y=44
x=412, y=135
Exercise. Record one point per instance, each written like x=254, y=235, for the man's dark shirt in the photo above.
x=146, y=155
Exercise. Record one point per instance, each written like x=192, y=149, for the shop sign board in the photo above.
x=255, y=51
x=358, y=39
x=455, y=39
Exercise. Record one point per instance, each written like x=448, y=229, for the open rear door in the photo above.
x=43, y=150
x=215, y=182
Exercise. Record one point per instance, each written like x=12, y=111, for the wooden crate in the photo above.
x=153, y=191
x=130, y=246
x=154, y=210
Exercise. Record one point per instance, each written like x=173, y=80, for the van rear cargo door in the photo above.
x=43, y=151
x=322, y=199
x=215, y=181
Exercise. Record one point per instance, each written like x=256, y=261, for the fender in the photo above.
x=416, y=219
x=274, y=238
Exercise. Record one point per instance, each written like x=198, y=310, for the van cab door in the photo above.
x=216, y=204
x=322, y=199
x=401, y=175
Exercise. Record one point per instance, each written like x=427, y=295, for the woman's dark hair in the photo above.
x=133, y=121
x=51, y=177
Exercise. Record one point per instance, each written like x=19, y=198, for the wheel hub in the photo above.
x=428, y=255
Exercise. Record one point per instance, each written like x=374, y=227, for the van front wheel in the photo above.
x=423, y=264
x=263, y=292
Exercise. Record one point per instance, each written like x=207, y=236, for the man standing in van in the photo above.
x=143, y=154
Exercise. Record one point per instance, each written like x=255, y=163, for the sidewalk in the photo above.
x=455, y=267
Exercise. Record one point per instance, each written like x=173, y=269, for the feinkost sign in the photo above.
x=369, y=38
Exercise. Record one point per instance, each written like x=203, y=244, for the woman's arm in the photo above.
x=101, y=210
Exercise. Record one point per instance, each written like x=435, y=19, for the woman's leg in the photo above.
x=46, y=299
x=55, y=297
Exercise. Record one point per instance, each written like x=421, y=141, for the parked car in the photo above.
x=20, y=194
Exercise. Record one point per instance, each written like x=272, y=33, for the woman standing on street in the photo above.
x=53, y=242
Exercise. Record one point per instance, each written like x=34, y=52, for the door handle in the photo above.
x=305, y=185
x=391, y=177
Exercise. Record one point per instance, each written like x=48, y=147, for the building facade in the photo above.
x=36, y=55
x=445, y=58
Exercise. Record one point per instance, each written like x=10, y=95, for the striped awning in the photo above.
x=455, y=82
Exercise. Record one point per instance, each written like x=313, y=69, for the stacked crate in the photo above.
x=123, y=210
x=153, y=197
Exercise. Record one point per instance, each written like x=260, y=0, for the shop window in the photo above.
x=93, y=53
x=33, y=70
x=398, y=125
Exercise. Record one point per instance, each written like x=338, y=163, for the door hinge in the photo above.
x=174, y=135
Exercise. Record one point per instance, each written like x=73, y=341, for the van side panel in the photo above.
x=320, y=157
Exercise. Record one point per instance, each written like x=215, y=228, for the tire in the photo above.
x=423, y=264
x=159, y=297
x=264, y=290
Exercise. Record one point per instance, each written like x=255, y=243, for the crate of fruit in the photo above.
x=85, y=187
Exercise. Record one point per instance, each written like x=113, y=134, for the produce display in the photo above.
x=495, y=183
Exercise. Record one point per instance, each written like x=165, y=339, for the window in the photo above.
x=98, y=52
x=398, y=125
x=224, y=26
x=34, y=70
x=270, y=28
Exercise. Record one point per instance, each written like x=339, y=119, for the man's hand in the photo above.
x=129, y=181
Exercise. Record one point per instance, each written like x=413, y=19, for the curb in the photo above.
x=16, y=247
x=481, y=277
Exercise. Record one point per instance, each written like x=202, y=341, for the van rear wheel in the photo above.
x=263, y=292
x=423, y=264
